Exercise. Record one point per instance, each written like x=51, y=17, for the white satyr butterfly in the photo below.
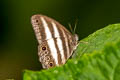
x=56, y=43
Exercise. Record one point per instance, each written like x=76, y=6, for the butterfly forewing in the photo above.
x=56, y=43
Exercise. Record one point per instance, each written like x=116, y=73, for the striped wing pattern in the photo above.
x=56, y=43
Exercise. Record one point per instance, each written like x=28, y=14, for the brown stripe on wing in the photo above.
x=54, y=38
x=63, y=39
x=69, y=46
x=68, y=35
x=70, y=38
x=70, y=41
x=66, y=42
x=48, y=20
x=58, y=51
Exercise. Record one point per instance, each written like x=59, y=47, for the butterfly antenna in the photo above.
x=76, y=22
x=70, y=27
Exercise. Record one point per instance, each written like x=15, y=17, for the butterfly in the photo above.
x=55, y=43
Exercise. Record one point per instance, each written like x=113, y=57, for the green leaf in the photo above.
x=97, y=40
x=101, y=61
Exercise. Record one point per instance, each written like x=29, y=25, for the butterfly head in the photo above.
x=76, y=37
x=75, y=40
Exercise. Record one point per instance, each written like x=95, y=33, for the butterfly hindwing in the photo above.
x=44, y=55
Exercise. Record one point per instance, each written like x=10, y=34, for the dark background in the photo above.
x=18, y=45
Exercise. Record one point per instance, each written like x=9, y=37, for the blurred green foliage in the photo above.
x=18, y=45
x=99, y=62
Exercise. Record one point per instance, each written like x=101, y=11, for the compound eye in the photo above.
x=44, y=48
